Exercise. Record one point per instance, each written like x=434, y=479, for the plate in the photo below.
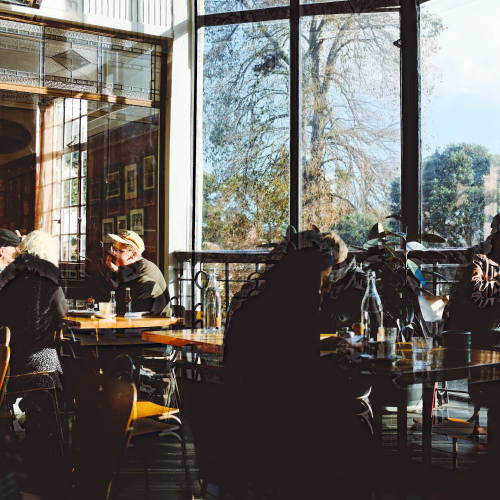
x=102, y=316
x=81, y=313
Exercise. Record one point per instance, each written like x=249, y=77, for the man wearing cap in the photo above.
x=128, y=269
x=8, y=244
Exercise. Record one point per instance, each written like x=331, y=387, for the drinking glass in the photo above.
x=104, y=308
x=421, y=347
x=387, y=338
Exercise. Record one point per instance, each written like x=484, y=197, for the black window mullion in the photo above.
x=294, y=114
x=410, y=117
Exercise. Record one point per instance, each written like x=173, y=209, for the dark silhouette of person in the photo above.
x=273, y=345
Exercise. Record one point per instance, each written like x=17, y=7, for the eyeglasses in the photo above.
x=117, y=250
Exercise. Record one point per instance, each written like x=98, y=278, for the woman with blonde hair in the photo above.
x=32, y=305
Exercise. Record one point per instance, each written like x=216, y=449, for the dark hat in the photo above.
x=8, y=238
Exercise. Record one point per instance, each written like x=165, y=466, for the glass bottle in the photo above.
x=128, y=301
x=212, y=316
x=112, y=304
x=371, y=309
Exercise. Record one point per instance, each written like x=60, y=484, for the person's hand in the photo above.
x=19, y=234
x=111, y=264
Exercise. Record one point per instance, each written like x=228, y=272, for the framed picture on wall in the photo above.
x=95, y=191
x=149, y=172
x=113, y=186
x=137, y=221
x=131, y=181
x=121, y=223
x=108, y=227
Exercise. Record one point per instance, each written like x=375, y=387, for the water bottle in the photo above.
x=371, y=309
x=212, y=316
x=112, y=304
x=128, y=301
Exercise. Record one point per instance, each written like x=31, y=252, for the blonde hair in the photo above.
x=41, y=244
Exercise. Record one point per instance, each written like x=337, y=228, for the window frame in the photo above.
x=409, y=11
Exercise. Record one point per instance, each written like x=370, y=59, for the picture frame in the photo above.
x=131, y=181
x=2, y=206
x=113, y=186
x=121, y=223
x=108, y=227
x=149, y=168
x=137, y=221
x=95, y=191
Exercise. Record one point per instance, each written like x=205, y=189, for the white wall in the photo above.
x=180, y=152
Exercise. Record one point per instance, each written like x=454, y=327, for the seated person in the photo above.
x=8, y=244
x=128, y=269
x=477, y=301
x=273, y=345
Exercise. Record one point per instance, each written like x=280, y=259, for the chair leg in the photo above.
x=475, y=416
x=186, y=464
x=455, y=454
x=144, y=464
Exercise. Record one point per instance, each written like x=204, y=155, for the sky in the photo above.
x=465, y=103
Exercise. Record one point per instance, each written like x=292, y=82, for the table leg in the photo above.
x=402, y=422
x=427, y=409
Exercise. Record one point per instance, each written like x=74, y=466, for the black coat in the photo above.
x=32, y=305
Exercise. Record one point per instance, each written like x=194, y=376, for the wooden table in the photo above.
x=207, y=342
x=483, y=366
x=119, y=322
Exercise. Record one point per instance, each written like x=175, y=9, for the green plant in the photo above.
x=400, y=279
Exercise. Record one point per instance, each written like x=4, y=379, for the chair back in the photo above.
x=4, y=335
x=120, y=365
x=212, y=401
x=103, y=414
x=4, y=365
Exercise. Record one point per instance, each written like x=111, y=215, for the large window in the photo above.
x=299, y=122
x=460, y=119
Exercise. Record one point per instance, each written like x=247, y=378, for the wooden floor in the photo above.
x=168, y=481
x=167, y=476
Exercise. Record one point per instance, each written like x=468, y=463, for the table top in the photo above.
x=119, y=322
x=207, y=342
x=118, y=340
x=446, y=365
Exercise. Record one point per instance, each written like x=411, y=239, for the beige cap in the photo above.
x=129, y=238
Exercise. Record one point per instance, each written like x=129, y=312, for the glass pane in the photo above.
x=245, y=135
x=66, y=193
x=74, y=248
x=65, y=248
x=73, y=228
x=66, y=166
x=350, y=122
x=460, y=119
x=84, y=189
x=83, y=246
x=217, y=6
x=74, y=163
x=83, y=220
x=84, y=163
x=74, y=192
x=57, y=225
x=57, y=194
x=57, y=169
x=65, y=221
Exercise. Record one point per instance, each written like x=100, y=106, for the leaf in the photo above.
x=357, y=248
x=428, y=238
x=287, y=231
x=426, y=254
x=433, y=273
x=377, y=231
x=399, y=235
x=373, y=243
x=416, y=272
x=374, y=258
x=394, y=216
x=415, y=245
